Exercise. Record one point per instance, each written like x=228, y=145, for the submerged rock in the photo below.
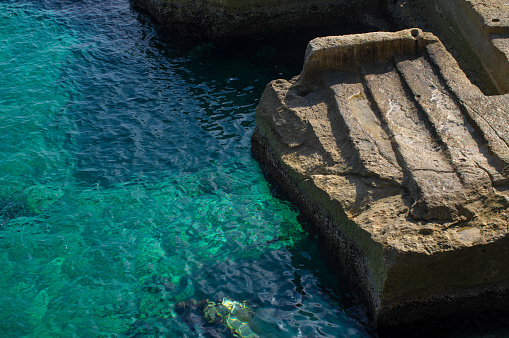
x=402, y=165
x=235, y=316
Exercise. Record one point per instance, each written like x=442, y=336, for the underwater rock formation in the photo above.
x=215, y=319
x=402, y=165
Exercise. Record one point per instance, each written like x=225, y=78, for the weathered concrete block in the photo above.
x=402, y=164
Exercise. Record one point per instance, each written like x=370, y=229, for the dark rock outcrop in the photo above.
x=206, y=19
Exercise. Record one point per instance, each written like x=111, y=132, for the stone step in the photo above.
x=430, y=177
x=466, y=151
x=372, y=145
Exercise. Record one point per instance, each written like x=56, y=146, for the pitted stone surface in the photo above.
x=384, y=141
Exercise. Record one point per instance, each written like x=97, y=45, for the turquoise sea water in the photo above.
x=127, y=184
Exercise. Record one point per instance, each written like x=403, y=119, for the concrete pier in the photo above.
x=402, y=164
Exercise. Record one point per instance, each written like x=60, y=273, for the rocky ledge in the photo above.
x=402, y=165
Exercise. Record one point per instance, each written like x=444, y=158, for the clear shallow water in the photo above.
x=127, y=184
